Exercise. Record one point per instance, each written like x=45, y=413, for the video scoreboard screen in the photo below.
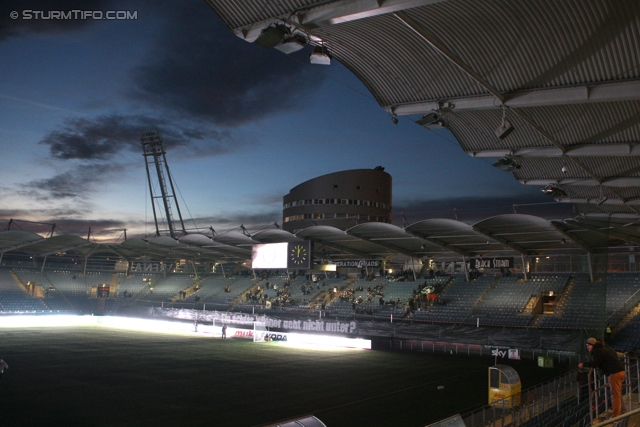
x=292, y=255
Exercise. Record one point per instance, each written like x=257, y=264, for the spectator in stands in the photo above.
x=3, y=366
x=608, y=333
x=605, y=358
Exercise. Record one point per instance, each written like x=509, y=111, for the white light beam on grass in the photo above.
x=167, y=326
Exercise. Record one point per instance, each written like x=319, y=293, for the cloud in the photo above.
x=198, y=68
x=42, y=23
x=102, y=137
x=75, y=183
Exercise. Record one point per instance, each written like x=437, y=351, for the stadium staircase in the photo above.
x=446, y=284
x=538, y=318
x=190, y=290
x=626, y=319
x=471, y=314
x=530, y=306
x=240, y=298
x=36, y=292
x=113, y=286
x=17, y=279
x=566, y=293
x=321, y=298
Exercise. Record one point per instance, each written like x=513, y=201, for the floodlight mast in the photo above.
x=153, y=152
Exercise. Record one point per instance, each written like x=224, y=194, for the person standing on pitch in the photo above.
x=605, y=358
x=3, y=366
x=224, y=331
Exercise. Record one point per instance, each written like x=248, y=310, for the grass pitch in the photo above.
x=96, y=376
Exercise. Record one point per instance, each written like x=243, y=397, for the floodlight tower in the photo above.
x=154, y=153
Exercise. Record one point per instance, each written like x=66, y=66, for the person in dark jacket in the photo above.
x=606, y=359
x=3, y=366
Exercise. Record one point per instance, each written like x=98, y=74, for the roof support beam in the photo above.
x=609, y=201
x=444, y=50
x=442, y=244
x=542, y=132
x=500, y=239
x=617, y=128
x=342, y=248
x=385, y=244
x=565, y=230
x=58, y=250
x=579, y=150
x=605, y=92
x=608, y=232
x=353, y=10
x=14, y=247
x=331, y=14
x=586, y=182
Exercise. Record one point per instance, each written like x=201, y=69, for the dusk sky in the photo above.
x=242, y=125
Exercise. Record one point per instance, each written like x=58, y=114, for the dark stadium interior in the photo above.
x=344, y=308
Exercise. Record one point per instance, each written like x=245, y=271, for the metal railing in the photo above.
x=560, y=400
x=600, y=392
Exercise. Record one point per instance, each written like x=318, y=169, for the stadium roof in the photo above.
x=550, y=87
x=437, y=239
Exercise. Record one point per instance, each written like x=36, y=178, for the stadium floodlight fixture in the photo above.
x=273, y=35
x=433, y=120
x=507, y=164
x=320, y=56
x=292, y=44
x=505, y=127
x=554, y=191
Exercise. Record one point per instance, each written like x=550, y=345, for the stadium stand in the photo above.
x=457, y=300
x=494, y=299
x=14, y=297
